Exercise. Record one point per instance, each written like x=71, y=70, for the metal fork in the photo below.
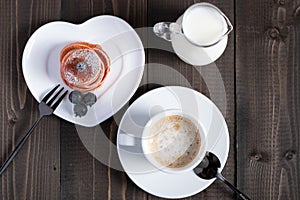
x=46, y=107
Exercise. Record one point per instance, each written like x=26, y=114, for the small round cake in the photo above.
x=84, y=66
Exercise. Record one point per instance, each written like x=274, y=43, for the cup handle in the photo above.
x=126, y=140
x=130, y=143
x=164, y=30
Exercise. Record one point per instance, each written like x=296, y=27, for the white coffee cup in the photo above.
x=147, y=136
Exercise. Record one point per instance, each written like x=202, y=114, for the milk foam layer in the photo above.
x=203, y=25
x=175, y=141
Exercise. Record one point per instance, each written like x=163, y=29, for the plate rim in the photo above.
x=138, y=79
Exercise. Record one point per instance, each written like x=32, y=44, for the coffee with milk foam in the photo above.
x=175, y=141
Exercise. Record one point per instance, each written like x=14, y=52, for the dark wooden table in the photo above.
x=261, y=73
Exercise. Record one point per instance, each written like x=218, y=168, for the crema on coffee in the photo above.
x=174, y=141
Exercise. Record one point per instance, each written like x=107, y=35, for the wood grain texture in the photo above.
x=267, y=66
x=83, y=176
x=165, y=68
x=34, y=173
x=260, y=69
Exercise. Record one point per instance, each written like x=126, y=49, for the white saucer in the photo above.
x=194, y=55
x=41, y=63
x=141, y=172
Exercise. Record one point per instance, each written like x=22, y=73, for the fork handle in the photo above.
x=18, y=147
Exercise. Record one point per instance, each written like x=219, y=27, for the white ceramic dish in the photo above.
x=197, y=56
x=139, y=169
x=41, y=63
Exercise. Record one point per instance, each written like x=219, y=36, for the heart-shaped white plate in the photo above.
x=41, y=64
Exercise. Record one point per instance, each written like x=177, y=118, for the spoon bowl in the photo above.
x=208, y=169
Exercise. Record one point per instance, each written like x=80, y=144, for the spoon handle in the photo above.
x=237, y=191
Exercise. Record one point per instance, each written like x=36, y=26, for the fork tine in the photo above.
x=48, y=95
x=54, y=97
x=59, y=100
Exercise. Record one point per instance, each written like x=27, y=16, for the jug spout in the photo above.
x=229, y=26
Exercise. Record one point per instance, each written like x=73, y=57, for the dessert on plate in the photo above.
x=84, y=66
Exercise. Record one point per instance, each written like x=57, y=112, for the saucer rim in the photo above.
x=222, y=44
x=184, y=195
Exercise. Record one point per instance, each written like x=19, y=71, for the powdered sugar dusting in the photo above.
x=90, y=58
x=84, y=66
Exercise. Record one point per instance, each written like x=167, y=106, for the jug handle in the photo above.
x=164, y=30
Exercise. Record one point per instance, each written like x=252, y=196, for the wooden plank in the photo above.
x=34, y=174
x=179, y=73
x=82, y=176
x=267, y=74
